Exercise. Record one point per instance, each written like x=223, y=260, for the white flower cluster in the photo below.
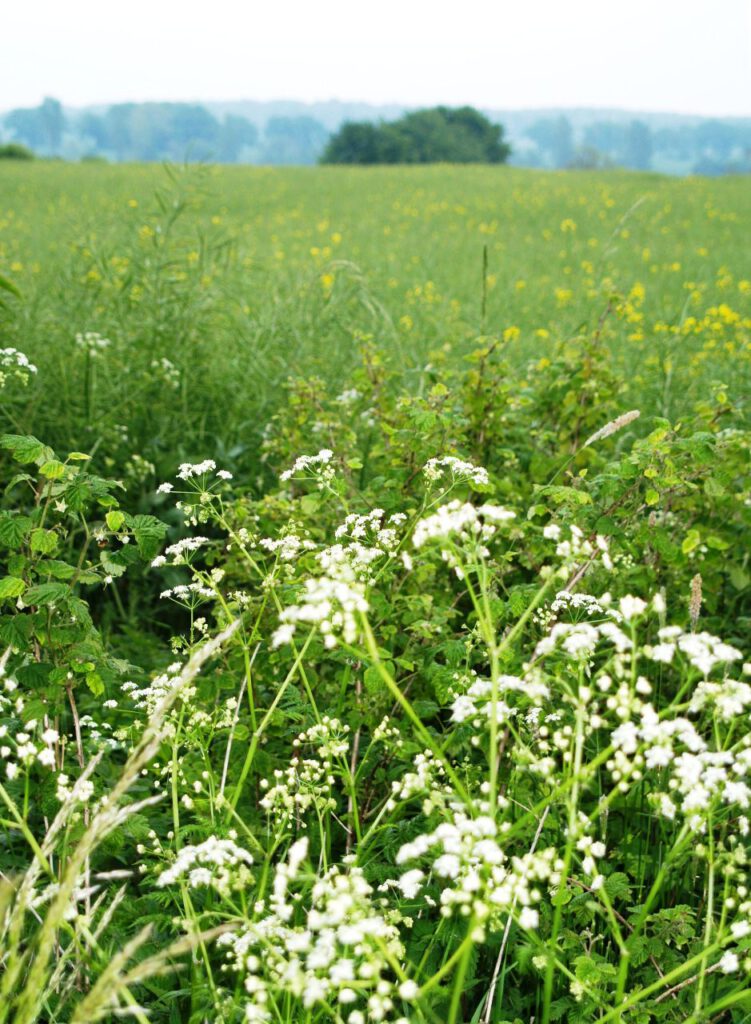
x=166, y=370
x=188, y=470
x=178, y=554
x=480, y=880
x=92, y=342
x=14, y=365
x=697, y=776
x=217, y=863
x=81, y=791
x=435, y=469
x=147, y=698
x=288, y=547
x=463, y=525
x=728, y=698
x=188, y=594
x=330, y=604
x=340, y=953
x=478, y=706
x=564, y=600
x=370, y=527
x=22, y=743
x=427, y=780
x=576, y=547
x=580, y=639
x=592, y=850
x=318, y=466
x=354, y=559
x=308, y=782
x=702, y=650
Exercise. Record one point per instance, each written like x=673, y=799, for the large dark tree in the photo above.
x=439, y=135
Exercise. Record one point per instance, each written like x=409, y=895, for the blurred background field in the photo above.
x=209, y=287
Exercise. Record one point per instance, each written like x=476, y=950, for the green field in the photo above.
x=242, y=277
x=375, y=592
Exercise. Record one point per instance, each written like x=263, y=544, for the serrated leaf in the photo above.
x=46, y=594
x=13, y=529
x=617, y=886
x=79, y=457
x=11, y=586
x=149, y=532
x=57, y=569
x=25, y=448
x=43, y=542
x=114, y=520
x=53, y=469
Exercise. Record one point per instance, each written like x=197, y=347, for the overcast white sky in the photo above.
x=687, y=56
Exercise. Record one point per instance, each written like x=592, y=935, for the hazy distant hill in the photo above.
x=294, y=132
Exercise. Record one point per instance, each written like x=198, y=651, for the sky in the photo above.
x=681, y=56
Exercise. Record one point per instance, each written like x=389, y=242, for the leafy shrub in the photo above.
x=15, y=151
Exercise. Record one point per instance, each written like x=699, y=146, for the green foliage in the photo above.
x=447, y=565
x=441, y=135
x=15, y=151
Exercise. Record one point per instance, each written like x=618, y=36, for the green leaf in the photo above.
x=149, y=532
x=617, y=886
x=53, y=470
x=11, y=586
x=690, y=542
x=112, y=564
x=8, y=286
x=25, y=448
x=94, y=683
x=739, y=578
x=652, y=496
x=43, y=541
x=57, y=569
x=114, y=520
x=79, y=457
x=713, y=488
x=310, y=503
x=717, y=543
x=46, y=594
x=13, y=529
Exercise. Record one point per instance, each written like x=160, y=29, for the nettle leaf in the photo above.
x=149, y=532
x=53, y=470
x=45, y=594
x=13, y=529
x=112, y=564
x=25, y=448
x=43, y=541
x=617, y=886
x=11, y=586
x=15, y=630
x=59, y=570
x=34, y=675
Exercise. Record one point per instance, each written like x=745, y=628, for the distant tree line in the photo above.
x=164, y=131
x=441, y=134
x=191, y=131
x=710, y=147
